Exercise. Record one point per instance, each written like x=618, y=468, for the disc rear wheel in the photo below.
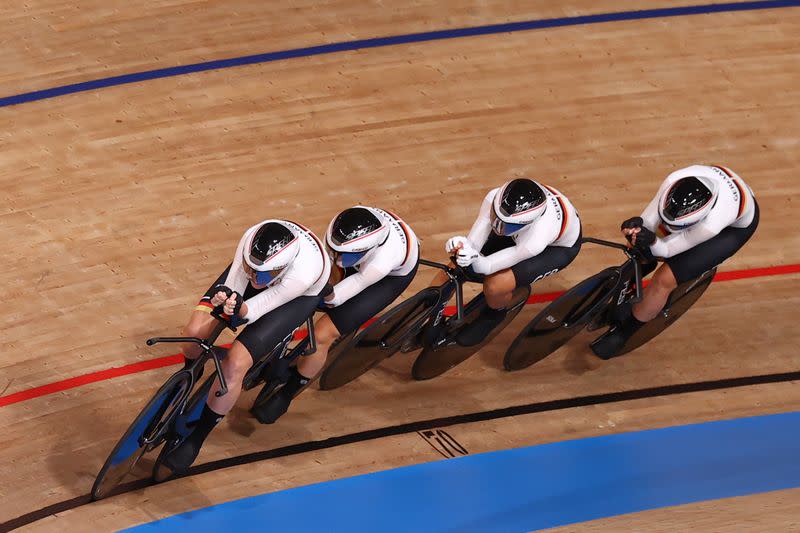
x=379, y=340
x=436, y=360
x=680, y=300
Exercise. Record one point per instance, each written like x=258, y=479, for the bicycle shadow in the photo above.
x=398, y=366
x=243, y=424
x=578, y=357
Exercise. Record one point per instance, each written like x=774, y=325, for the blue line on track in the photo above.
x=530, y=488
x=391, y=41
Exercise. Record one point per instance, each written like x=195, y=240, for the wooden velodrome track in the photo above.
x=120, y=205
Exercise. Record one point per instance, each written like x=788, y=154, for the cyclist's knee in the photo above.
x=325, y=332
x=499, y=284
x=664, y=280
x=237, y=362
x=200, y=325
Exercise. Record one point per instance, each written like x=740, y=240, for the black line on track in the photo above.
x=413, y=427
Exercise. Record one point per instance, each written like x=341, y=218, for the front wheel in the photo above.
x=146, y=433
x=561, y=320
x=379, y=340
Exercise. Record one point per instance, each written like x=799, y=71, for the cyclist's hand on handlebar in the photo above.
x=454, y=244
x=631, y=223
x=233, y=304
x=235, y=309
x=219, y=299
x=466, y=255
x=222, y=293
x=644, y=238
x=630, y=228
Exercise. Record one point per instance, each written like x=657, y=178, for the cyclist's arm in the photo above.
x=237, y=278
x=482, y=226
x=354, y=284
x=535, y=242
x=676, y=243
x=650, y=215
x=722, y=215
x=282, y=292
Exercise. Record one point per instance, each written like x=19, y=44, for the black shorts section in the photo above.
x=354, y=312
x=706, y=255
x=549, y=261
x=249, y=292
x=264, y=334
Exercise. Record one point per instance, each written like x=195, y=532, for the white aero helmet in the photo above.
x=687, y=202
x=354, y=233
x=517, y=204
x=270, y=249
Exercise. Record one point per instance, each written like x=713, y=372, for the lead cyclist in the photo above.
x=273, y=284
x=701, y=216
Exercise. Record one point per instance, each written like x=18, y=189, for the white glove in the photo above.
x=466, y=255
x=455, y=243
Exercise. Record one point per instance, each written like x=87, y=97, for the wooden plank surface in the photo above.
x=364, y=457
x=770, y=511
x=122, y=205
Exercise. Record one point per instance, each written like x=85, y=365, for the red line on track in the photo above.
x=170, y=360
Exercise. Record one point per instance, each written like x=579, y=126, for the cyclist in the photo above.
x=524, y=232
x=700, y=217
x=377, y=255
x=273, y=285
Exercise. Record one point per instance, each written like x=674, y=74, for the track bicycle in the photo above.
x=401, y=330
x=173, y=410
x=598, y=302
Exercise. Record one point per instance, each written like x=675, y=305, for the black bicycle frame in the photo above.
x=633, y=256
x=307, y=347
x=207, y=346
x=456, y=275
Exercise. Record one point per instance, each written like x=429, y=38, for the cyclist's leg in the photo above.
x=348, y=317
x=286, y=318
x=234, y=367
x=338, y=321
x=675, y=270
x=367, y=304
x=436, y=327
x=325, y=332
x=689, y=265
x=655, y=295
x=299, y=375
x=499, y=287
x=257, y=340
